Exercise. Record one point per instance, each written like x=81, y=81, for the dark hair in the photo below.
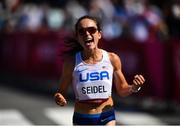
x=96, y=20
x=71, y=44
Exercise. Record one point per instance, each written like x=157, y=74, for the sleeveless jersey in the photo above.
x=92, y=81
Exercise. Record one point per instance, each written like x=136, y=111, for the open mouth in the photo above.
x=88, y=40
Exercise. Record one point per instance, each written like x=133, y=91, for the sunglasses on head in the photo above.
x=90, y=30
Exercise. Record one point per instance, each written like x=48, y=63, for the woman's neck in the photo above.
x=92, y=56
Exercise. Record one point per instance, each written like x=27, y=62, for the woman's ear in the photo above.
x=100, y=34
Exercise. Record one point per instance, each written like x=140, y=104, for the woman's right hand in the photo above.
x=59, y=99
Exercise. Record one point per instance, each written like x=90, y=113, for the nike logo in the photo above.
x=103, y=120
x=108, y=119
x=81, y=70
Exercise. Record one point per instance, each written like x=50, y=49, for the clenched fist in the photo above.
x=138, y=81
x=59, y=99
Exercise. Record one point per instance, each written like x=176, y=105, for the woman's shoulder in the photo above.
x=113, y=56
x=115, y=59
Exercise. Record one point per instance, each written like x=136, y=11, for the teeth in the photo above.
x=88, y=40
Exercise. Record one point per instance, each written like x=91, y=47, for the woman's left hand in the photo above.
x=138, y=81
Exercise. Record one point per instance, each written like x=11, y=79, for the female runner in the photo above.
x=91, y=71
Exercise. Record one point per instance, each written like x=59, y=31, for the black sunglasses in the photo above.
x=90, y=30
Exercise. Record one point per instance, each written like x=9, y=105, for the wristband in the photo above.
x=135, y=90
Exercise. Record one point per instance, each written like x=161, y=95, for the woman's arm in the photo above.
x=66, y=80
x=122, y=87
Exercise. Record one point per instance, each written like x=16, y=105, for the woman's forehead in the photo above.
x=87, y=23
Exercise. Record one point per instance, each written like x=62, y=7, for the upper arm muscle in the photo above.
x=119, y=78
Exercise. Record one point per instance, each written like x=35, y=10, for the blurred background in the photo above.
x=144, y=33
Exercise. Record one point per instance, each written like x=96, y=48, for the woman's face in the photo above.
x=87, y=34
